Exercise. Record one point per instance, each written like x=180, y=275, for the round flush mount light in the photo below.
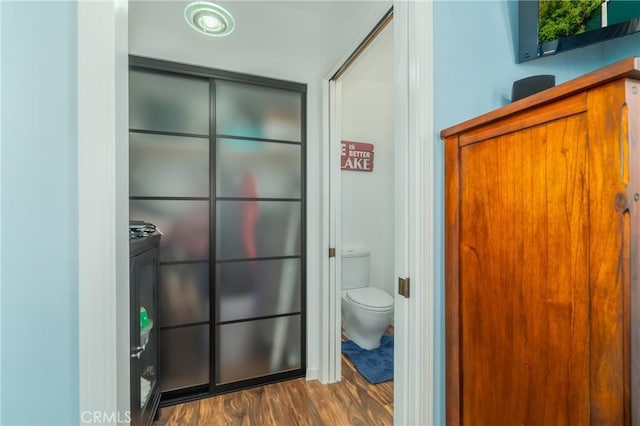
x=209, y=18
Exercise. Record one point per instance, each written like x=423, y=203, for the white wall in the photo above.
x=280, y=40
x=368, y=197
x=345, y=24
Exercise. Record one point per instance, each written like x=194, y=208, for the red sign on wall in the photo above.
x=357, y=156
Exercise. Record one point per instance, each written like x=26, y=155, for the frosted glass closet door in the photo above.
x=258, y=231
x=169, y=185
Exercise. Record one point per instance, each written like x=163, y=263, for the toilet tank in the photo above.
x=355, y=268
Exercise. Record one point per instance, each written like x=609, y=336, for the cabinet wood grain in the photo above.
x=542, y=257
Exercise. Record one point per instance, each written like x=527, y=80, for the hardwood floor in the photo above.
x=353, y=401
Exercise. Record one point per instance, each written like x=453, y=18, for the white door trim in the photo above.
x=325, y=358
x=415, y=96
x=401, y=385
x=335, y=227
x=330, y=359
x=103, y=240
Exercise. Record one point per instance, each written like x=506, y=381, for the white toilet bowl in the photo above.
x=366, y=314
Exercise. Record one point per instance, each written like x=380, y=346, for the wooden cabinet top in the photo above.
x=629, y=67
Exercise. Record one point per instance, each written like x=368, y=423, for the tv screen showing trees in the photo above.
x=565, y=18
x=547, y=27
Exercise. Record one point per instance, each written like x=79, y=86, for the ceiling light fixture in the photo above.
x=209, y=18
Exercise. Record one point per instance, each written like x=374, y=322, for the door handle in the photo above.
x=404, y=286
x=137, y=351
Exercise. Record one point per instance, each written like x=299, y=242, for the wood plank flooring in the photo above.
x=353, y=401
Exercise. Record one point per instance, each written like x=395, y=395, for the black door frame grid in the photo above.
x=139, y=63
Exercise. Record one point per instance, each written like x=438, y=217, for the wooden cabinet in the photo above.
x=543, y=257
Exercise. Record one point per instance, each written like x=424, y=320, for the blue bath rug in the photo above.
x=375, y=365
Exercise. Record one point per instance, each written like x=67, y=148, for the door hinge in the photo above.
x=332, y=252
x=403, y=287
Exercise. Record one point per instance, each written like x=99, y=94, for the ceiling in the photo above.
x=326, y=8
x=332, y=29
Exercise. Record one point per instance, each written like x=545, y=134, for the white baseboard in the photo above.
x=312, y=374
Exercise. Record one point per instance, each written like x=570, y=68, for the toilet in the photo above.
x=366, y=311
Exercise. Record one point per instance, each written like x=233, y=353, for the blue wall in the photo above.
x=39, y=257
x=616, y=50
x=475, y=45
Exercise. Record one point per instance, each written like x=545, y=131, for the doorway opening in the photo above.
x=362, y=209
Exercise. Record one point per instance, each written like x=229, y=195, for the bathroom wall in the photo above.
x=367, y=197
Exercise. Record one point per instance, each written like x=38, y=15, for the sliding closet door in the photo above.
x=169, y=184
x=217, y=163
x=258, y=235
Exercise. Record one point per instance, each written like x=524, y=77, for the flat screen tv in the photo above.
x=547, y=27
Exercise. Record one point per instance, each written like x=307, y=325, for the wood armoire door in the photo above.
x=539, y=289
x=523, y=239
